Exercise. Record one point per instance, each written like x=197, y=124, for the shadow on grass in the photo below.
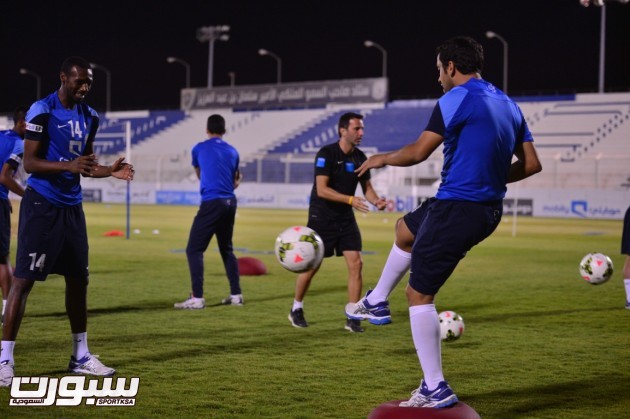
x=147, y=306
x=547, y=313
x=589, y=393
x=168, y=305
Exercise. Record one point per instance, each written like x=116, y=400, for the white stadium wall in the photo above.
x=583, y=142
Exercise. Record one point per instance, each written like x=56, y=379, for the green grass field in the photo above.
x=539, y=341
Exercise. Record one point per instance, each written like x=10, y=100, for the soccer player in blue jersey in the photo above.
x=481, y=130
x=11, y=149
x=331, y=212
x=52, y=235
x=216, y=164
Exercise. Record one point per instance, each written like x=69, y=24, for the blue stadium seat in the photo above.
x=110, y=138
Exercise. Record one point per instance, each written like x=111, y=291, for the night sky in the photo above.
x=553, y=45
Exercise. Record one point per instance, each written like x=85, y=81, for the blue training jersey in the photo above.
x=218, y=162
x=64, y=134
x=11, y=150
x=481, y=127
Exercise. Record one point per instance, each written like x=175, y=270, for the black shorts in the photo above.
x=215, y=216
x=5, y=230
x=445, y=231
x=337, y=235
x=625, y=235
x=51, y=240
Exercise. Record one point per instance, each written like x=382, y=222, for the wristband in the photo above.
x=350, y=200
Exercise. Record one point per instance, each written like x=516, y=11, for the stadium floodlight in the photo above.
x=210, y=34
x=38, y=79
x=172, y=60
x=602, y=38
x=370, y=44
x=263, y=51
x=232, y=76
x=108, y=85
x=490, y=35
x=600, y=3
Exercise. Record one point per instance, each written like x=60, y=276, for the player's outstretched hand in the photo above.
x=373, y=162
x=122, y=170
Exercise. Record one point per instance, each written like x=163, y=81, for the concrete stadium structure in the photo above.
x=583, y=141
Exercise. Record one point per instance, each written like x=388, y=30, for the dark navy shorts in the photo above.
x=337, y=235
x=5, y=230
x=625, y=235
x=51, y=240
x=445, y=231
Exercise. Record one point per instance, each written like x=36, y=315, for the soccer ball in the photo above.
x=299, y=249
x=596, y=268
x=451, y=325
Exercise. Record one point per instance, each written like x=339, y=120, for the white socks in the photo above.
x=4, y=304
x=626, y=282
x=397, y=265
x=297, y=304
x=6, y=353
x=425, y=330
x=79, y=345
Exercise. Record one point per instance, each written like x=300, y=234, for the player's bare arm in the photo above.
x=326, y=192
x=34, y=161
x=118, y=169
x=409, y=155
x=238, y=178
x=7, y=179
x=527, y=164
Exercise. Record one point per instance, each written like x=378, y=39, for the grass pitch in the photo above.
x=539, y=341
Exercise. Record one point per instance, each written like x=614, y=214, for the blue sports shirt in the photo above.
x=218, y=162
x=481, y=127
x=65, y=133
x=11, y=150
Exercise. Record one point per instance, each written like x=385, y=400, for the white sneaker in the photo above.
x=233, y=300
x=6, y=374
x=442, y=396
x=192, y=303
x=90, y=365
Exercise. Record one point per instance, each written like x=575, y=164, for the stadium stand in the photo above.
x=583, y=141
x=111, y=136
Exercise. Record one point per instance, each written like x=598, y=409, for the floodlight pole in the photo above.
x=108, y=85
x=210, y=34
x=369, y=44
x=602, y=49
x=171, y=60
x=602, y=38
x=491, y=35
x=263, y=51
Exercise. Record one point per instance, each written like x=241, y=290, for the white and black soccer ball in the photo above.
x=596, y=268
x=451, y=325
x=299, y=249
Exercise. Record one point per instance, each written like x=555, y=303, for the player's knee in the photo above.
x=356, y=265
x=21, y=287
x=415, y=297
x=404, y=237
